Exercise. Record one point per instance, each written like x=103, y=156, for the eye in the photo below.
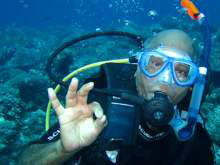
x=182, y=74
x=154, y=64
x=155, y=61
x=157, y=64
x=182, y=71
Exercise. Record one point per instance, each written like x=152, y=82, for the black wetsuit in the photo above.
x=166, y=151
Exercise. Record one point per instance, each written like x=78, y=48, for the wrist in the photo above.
x=61, y=149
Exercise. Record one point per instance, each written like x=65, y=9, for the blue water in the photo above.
x=92, y=13
x=25, y=48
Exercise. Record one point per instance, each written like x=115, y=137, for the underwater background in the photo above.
x=30, y=30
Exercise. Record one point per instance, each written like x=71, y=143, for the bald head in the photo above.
x=173, y=39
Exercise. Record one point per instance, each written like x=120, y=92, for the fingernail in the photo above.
x=74, y=79
x=49, y=91
x=98, y=114
x=103, y=119
x=91, y=84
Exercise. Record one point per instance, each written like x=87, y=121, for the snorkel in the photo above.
x=187, y=132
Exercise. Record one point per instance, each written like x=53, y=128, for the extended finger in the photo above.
x=55, y=102
x=71, y=94
x=82, y=95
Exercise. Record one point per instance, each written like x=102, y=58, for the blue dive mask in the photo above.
x=168, y=65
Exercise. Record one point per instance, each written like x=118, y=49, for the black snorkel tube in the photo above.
x=187, y=132
x=136, y=38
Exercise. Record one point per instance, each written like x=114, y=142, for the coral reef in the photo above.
x=24, y=82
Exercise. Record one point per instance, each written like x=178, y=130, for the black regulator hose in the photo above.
x=138, y=39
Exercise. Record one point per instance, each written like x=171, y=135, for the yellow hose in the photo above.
x=74, y=73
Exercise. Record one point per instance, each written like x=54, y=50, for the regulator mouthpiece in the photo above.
x=158, y=111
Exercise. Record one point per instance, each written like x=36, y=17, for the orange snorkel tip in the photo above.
x=191, y=8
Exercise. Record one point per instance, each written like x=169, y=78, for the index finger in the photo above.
x=55, y=102
x=71, y=94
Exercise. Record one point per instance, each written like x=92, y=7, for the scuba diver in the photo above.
x=145, y=122
x=141, y=110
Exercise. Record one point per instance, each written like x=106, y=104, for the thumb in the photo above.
x=100, y=123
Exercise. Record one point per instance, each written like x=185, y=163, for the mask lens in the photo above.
x=182, y=72
x=154, y=63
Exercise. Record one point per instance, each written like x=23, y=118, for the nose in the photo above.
x=166, y=77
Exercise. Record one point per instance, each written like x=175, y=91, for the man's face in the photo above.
x=147, y=86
